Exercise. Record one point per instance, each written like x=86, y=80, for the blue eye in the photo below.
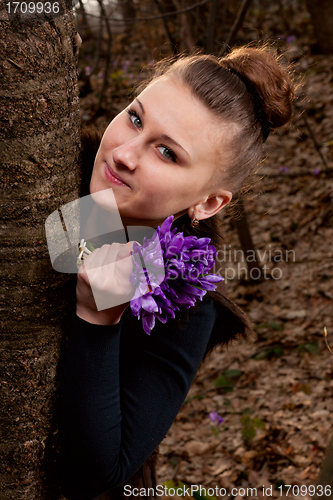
x=167, y=153
x=135, y=118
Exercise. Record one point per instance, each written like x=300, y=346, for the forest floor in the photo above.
x=274, y=392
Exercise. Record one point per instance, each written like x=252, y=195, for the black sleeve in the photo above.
x=120, y=393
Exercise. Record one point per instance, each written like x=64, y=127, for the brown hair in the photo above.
x=248, y=89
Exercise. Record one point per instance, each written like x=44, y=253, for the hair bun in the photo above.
x=272, y=82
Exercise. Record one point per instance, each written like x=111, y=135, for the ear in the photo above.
x=210, y=206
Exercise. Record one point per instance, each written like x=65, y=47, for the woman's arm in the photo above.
x=121, y=391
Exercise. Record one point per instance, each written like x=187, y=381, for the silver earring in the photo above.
x=194, y=222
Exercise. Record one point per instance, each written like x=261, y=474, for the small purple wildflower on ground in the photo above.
x=316, y=172
x=126, y=65
x=215, y=418
x=282, y=168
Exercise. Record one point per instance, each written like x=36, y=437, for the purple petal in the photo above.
x=190, y=241
x=148, y=304
x=166, y=226
x=135, y=305
x=206, y=285
x=184, y=299
x=212, y=278
x=148, y=322
x=174, y=246
x=202, y=242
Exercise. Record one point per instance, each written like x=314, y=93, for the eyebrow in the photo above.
x=141, y=106
x=163, y=136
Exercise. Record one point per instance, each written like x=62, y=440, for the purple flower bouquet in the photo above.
x=184, y=264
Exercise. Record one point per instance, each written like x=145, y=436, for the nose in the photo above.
x=127, y=155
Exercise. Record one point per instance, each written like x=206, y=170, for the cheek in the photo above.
x=115, y=133
x=108, y=138
x=166, y=194
x=159, y=188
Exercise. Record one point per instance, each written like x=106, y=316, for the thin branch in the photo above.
x=286, y=175
x=98, y=49
x=316, y=145
x=166, y=27
x=108, y=54
x=211, y=26
x=326, y=342
x=83, y=13
x=14, y=63
x=245, y=238
x=237, y=24
x=157, y=16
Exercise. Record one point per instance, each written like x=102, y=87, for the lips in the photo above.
x=113, y=177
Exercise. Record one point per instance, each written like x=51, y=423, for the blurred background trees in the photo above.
x=137, y=33
x=322, y=20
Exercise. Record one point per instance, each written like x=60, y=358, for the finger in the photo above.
x=124, y=262
x=102, y=256
x=125, y=250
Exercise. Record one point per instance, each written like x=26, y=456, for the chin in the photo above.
x=96, y=186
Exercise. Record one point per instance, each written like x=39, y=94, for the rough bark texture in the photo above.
x=325, y=477
x=39, y=149
x=322, y=20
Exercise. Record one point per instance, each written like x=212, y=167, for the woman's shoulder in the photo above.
x=231, y=322
x=216, y=318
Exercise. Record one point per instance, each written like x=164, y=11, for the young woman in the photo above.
x=181, y=148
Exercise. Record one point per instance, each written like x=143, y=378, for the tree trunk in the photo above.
x=322, y=20
x=325, y=478
x=39, y=149
x=211, y=26
x=128, y=9
x=245, y=238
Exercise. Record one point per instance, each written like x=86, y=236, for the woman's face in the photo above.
x=160, y=156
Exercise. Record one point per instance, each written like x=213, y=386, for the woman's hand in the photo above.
x=103, y=288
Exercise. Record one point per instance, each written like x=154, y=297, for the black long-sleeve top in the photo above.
x=120, y=393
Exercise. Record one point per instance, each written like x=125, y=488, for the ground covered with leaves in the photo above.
x=274, y=393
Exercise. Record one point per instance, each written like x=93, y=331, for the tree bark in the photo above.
x=245, y=238
x=211, y=26
x=322, y=19
x=39, y=150
x=128, y=9
x=326, y=475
